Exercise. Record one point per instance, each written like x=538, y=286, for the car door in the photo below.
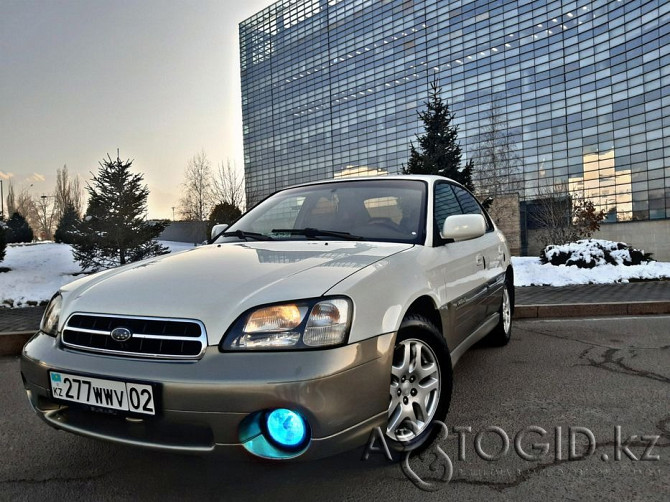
x=489, y=254
x=462, y=265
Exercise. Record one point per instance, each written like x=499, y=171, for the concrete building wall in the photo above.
x=651, y=236
x=505, y=212
x=185, y=231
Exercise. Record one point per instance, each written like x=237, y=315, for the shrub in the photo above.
x=3, y=241
x=223, y=213
x=591, y=253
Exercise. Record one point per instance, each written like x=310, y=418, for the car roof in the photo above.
x=403, y=177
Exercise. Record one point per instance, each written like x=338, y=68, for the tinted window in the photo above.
x=376, y=210
x=446, y=204
x=468, y=203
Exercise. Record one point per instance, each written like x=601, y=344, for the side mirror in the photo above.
x=217, y=229
x=461, y=227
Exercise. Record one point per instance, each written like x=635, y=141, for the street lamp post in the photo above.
x=47, y=220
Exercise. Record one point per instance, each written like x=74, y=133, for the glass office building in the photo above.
x=332, y=88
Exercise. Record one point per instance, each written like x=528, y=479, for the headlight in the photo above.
x=303, y=324
x=49, y=323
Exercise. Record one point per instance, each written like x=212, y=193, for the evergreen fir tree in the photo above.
x=114, y=230
x=466, y=175
x=67, y=225
x=439, y=152
x=18, y=229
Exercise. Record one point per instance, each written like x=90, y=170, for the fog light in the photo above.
x=286, y=428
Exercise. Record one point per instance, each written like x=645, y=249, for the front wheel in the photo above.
x=421, y=383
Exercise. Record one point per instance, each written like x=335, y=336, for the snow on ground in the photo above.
x=39, y=269
x=528, y=271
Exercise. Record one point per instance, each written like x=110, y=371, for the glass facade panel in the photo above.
x=331, y=88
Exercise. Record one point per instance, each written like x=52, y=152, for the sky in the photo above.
x=157, y=79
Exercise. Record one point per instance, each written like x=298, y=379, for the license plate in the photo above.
x=113, y=394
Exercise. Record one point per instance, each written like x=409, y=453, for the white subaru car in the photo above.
x=329, y=309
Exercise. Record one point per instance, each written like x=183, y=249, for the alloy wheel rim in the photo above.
x=506, y=312
x=414, y=391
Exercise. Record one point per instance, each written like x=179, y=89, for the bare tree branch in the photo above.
x=498, y=166
x=197, y=198
x=67, y=193
x=228, y=186
x=46, y=210
x=25, y=205
x=563, y=216
x=11, y=199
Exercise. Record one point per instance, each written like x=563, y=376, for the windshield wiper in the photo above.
x=312, y=233
x=244, y=235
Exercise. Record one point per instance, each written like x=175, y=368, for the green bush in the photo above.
x=3, y=241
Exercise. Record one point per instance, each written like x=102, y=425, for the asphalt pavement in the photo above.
x=555, y=380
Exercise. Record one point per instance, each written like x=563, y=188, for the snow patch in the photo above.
x=37, y=270
x=529, y=271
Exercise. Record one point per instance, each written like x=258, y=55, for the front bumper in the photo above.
x=342, y=393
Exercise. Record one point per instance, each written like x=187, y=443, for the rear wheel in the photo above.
x=421, y=382
x=502, y=333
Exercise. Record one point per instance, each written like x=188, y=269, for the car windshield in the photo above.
x=371, y=210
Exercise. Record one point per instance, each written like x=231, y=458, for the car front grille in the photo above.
x=152, y=337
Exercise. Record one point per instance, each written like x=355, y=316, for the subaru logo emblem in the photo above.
x=121, y=334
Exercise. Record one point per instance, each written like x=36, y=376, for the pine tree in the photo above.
x=18, y=229
x=114, y=230
x=67, y=225
x=439, y=152
x=466, y=175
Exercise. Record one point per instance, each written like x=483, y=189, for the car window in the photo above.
x=384, y=207
x=445, y=204
x=283, y=215
x=469, y=205
x=377, y=210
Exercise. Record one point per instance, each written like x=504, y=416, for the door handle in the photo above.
x=480, y=260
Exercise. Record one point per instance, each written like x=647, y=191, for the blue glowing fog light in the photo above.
x=286, y=428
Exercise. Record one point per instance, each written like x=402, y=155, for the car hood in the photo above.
x=217, y=283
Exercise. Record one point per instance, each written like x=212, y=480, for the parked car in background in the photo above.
x=325, y=311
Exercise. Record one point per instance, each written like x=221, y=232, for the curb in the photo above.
x=591, y=309
x=12, y=343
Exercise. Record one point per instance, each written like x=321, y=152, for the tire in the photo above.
x=501, y=334
x=418, y=398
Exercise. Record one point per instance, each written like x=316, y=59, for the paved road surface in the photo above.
x=595, y=374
